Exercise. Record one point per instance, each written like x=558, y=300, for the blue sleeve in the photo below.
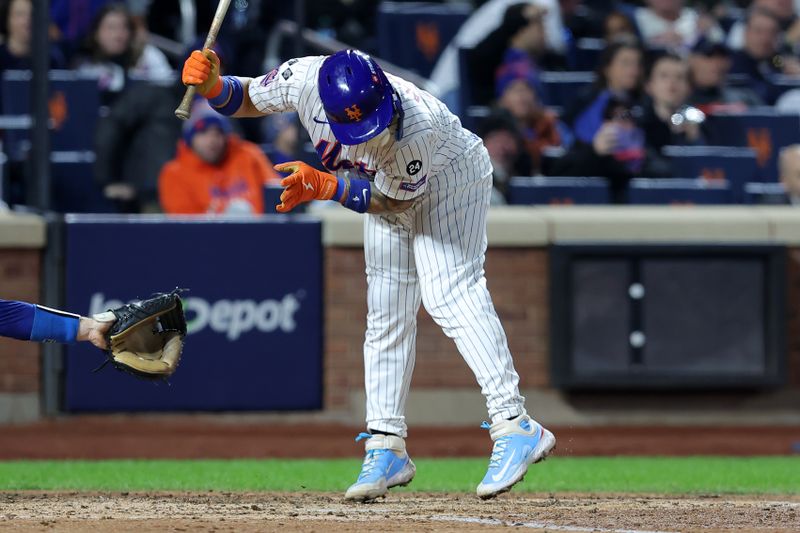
x=588, y=122
x=16, y=319
x=24, y=321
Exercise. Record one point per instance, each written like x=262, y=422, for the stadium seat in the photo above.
x=764, y=130
x=561, y=88
x=74, y=109
x=736, y=165
x=785, y=83
x=765, y=193
x=780, y=82
x=413, y=35
x=474, y=115
x=679, y=191
x=586, y=52
x=73, y=187
x=464, y=93
x=557, y=191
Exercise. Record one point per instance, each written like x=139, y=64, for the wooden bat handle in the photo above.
x=184, y=109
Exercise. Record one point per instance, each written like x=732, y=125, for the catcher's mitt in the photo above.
x=147, y=337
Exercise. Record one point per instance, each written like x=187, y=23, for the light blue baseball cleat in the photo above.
x=517, y=443
x=386, y=465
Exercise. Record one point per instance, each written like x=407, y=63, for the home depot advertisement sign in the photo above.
x=254, y=310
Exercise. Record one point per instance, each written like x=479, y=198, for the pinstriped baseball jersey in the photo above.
x=431, y=254
x=424, y=158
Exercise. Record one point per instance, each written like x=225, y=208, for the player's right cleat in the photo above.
x=518, y=443
x=386, y=465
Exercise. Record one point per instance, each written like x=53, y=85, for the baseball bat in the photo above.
x=183, y=110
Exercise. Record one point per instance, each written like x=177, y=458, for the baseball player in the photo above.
x=31, y=322
x=396, y=154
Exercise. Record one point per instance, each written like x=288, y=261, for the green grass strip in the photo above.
x=669, y=475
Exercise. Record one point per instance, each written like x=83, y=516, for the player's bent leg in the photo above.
x=393, y=299
x=386, y=465
x=449, y=249
x=518, y=443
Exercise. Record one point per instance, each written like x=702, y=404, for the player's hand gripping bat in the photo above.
x=182, y=112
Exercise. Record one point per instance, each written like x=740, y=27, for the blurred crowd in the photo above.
x=145, y=160
x=661, y=68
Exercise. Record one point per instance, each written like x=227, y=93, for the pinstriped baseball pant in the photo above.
x=433, y=254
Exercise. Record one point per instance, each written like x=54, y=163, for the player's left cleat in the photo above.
x=386, y=465
x=518, y=443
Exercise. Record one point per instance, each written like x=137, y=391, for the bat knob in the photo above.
x=182, y=114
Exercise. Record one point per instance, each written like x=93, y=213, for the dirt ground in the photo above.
x=244, y=512
x=188, y=437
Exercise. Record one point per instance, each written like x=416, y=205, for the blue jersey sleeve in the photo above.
x=16, y=319
x=24, y=321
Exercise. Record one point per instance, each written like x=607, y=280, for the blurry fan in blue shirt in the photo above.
x=619, y=76
x=615, y=152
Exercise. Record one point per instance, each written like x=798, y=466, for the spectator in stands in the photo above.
x=15, y=29
x=70, y=21
x=709, y=64
x=137, y=135
x=666, y=118
x=519, y=41
x=617, y=25
x=789, y=169
x=133, y=141
x=616, y=152
x=760, y=57
x=214, y=171
x=485, y=19
x=783, y=11
x=619, y=73
x=507, y=151
x=670, y=24
x=516, y=94
x=112, y=54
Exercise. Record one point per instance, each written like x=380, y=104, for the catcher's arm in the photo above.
x=25, y=321
x=94, y=329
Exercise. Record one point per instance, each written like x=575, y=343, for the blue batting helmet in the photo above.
x=356, y=95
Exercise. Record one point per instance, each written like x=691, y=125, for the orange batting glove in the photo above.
x=202, y=71
x=305, y=183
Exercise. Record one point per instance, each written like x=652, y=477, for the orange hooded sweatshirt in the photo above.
x=189, y=185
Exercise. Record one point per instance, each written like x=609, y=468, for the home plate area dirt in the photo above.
x=407, y=512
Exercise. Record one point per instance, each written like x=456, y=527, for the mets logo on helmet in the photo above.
x=353, y=112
